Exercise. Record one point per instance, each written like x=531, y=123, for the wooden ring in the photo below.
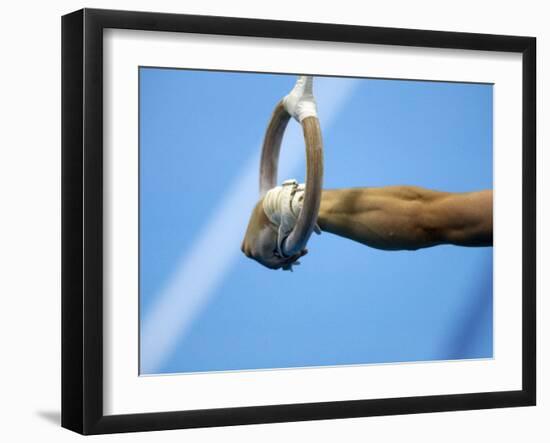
x=296, y=241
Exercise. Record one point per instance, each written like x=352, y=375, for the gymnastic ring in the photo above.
x=307, y=219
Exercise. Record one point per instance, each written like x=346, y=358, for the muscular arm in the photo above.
x=408, y=217
x=390, y=218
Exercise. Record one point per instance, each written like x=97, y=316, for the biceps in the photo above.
x=465, y=219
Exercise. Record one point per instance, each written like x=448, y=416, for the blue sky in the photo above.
x=205, y=307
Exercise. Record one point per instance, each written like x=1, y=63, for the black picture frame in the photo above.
x=82, y=220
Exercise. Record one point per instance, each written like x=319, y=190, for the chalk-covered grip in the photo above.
x=299, y=104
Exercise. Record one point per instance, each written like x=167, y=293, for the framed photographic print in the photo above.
x=204, y=157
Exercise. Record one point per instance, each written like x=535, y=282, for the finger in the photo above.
x=297, y=256
x=292, y=259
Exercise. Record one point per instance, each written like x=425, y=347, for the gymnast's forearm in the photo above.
x=408, y=217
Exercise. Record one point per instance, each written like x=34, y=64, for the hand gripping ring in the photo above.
x=304, y=111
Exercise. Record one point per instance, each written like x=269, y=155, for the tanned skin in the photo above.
x=391, y=218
